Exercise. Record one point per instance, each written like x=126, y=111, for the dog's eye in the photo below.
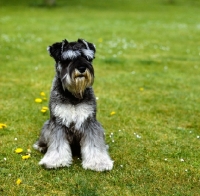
x=65, y=63
x=64, y=66
x=76, y=48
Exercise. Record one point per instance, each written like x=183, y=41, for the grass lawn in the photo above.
x=147, y=71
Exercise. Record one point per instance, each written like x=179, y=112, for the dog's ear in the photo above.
x=56, y=49
x=64, y=45
x=89, y=50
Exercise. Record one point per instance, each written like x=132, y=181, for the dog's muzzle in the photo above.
x=77, y=79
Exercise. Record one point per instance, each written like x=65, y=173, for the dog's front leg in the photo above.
x=58, y=152
x=94, y=150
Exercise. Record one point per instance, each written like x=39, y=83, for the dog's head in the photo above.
x=74, y=65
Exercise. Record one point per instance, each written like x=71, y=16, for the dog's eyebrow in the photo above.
x=70, y=54
x=88, y=53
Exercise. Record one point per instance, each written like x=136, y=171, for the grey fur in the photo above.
x=72, y=122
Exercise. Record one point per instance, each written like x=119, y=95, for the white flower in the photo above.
x=182, y=160
x=137, y=136
x=111, y=135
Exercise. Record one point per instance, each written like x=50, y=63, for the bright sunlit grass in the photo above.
x=147, y=80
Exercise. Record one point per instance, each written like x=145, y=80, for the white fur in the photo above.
x=36, y=147
x=95, y=158
x=48, y=48
x=73, y=114
x=70, y=54
x=86, y=44
x=58, y=154
x=59, y=67
x=67, y=78
x=88, y=53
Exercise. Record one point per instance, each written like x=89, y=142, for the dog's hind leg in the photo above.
x=94, y=150
x=41, y=144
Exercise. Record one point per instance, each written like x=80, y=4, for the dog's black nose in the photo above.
x=81, y=69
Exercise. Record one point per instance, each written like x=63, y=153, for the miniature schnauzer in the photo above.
x=72, y=125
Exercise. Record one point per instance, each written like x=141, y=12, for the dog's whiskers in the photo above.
x=79, y=74
x=80, y=82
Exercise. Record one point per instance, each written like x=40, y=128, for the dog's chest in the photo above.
x=75, y=114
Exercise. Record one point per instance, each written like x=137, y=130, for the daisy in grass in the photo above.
x=2, y=125
x=112, y=113
x=44, y=109
x=38, y=100
x=43, y=96
x=19, y=150
x=26, y=156
x=18, y=182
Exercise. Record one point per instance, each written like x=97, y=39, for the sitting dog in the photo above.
x=72, y=125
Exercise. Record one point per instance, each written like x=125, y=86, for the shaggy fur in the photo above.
x=72, y=125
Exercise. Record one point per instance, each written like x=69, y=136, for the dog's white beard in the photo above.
x=78, y=84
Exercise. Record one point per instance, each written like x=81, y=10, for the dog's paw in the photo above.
x=52, y=162
x=98, y=164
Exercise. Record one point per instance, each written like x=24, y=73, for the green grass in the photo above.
x=147, y=71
